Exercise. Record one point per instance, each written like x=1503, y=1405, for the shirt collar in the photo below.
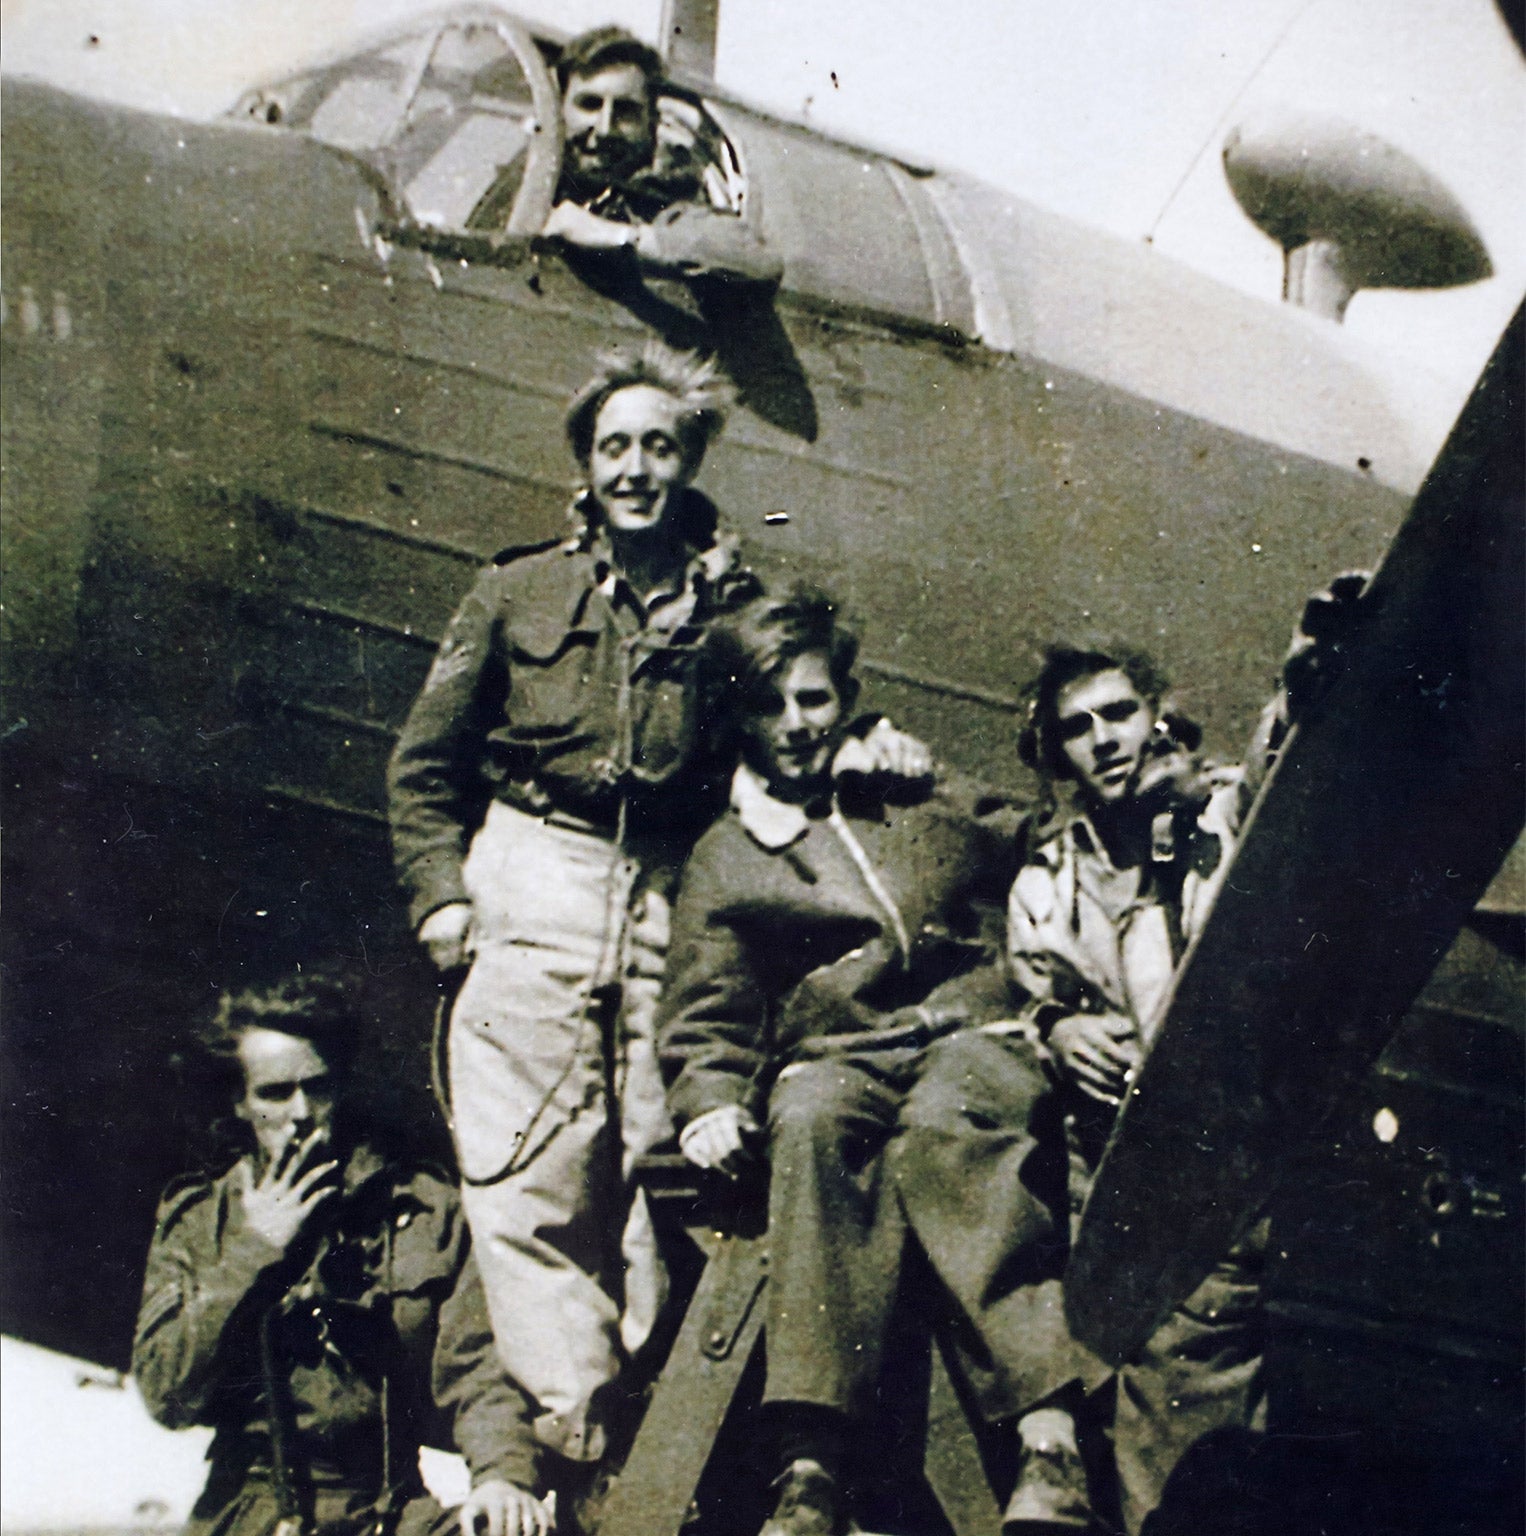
x=707, y=567
x=773, y=824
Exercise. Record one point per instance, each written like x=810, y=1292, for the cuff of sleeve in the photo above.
x=701, y=1098
x=518, y=1464
x=435, y=882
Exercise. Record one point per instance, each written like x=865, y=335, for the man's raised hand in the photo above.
x=278, y=1203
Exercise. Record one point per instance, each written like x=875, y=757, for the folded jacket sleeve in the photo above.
x=700, y=242
x=713, y=1017
x=436, y=787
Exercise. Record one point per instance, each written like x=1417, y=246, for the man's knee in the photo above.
x=975, y=1081
x=813, y=1100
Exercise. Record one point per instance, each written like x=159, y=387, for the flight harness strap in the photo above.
x=391, y=1496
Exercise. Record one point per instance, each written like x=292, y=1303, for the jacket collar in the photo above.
x=771, y=823
x=712, y=570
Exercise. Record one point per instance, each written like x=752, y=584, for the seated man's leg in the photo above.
x=980, y=1167
x=979, y=1163
x=1200, y=1372
x=835, y=1238
x=834, y=1230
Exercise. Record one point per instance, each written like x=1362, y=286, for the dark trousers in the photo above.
x=1199, y=1374
x=835, y=1227
x=979, y=1167
x=254, y=1510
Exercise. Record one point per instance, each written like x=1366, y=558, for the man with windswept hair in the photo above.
x=544, y=791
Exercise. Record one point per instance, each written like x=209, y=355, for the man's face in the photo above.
x=1104, y=725
x=792, y=745
x=608, y=125
x=637, y=458
x=288, y=1089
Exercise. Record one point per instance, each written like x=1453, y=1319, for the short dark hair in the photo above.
x=315, y=1005
x=746, y=651
x=1038, y=744
x=695, y=382
x=604, y=47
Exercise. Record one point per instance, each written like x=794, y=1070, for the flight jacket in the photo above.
x=557, y=692
x=855, y=924
x=381, y=1286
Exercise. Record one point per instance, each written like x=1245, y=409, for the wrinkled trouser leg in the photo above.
x=557, y=1012
x=979, y=1164
x=835, y=1228
x=254, y=1509
x=1200, y=1372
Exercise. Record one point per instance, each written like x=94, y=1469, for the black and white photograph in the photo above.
x=762, y=768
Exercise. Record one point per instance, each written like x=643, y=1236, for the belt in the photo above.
x=578, y=824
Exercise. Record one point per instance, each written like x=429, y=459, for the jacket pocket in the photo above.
x=551, y=695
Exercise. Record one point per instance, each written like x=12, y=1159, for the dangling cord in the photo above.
x=290, y=1522
x=606, y=970
x=386, y=1504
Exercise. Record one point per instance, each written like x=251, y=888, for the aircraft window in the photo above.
x=691, y=146
x=458, y=157
x=352, y=106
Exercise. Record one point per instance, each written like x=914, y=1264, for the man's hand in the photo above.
x=498, y=1508
x=884, y=750
x=577, y=226
x=720, y=1139
x=278, y=1204
x=446, y=934
x=1099, y=1053
x=1322, y=642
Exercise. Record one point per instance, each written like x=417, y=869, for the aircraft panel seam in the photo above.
x=432, y=455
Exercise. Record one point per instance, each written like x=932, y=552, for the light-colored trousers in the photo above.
x=555, y=1091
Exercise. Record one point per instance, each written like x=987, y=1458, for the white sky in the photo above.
x=1111, y=112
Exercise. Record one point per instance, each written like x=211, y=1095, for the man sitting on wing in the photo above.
x=632, y=177
x=1119, y=881
x=821, y=939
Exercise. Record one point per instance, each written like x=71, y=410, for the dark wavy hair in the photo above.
x=604, y=47
x=745, y=652
x=317, y=1005
x=1038, y=743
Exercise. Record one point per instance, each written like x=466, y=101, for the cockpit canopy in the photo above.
x=462, y=121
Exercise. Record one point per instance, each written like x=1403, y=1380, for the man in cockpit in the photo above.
x=634, y=168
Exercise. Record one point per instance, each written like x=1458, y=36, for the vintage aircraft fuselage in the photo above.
x=258, y=434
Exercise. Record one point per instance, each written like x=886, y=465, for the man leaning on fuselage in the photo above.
x=627, y=186
x=1120, y=879
x=823, y=935
x=1115, y=885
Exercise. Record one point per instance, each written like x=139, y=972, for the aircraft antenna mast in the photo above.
x=689, y=29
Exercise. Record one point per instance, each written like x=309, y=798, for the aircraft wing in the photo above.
x=1378, y=831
